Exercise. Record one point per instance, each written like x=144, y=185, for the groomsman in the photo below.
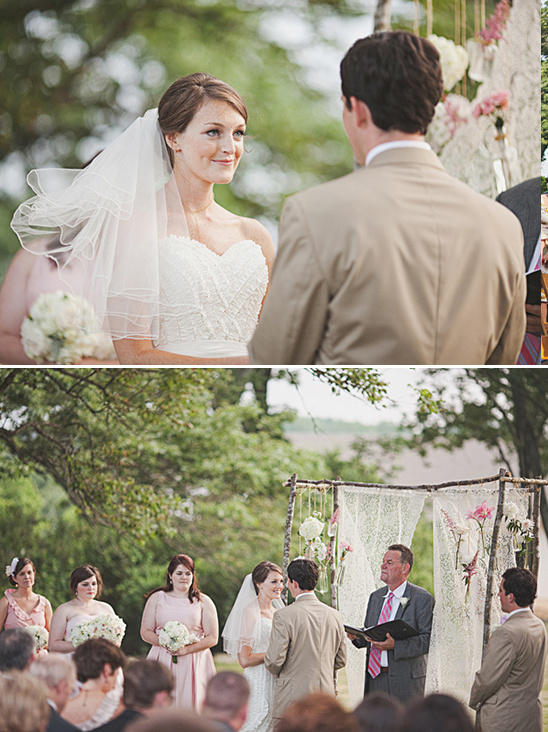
x=506, y=690
x=398, y=262
x=307, y=642
x=398, y=667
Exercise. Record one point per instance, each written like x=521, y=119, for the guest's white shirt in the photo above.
x=398, y=593
x=519, y=610
x=393, y=145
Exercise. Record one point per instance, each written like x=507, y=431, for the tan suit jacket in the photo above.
x=397, y=263
x=506, y=690
x=307, y=646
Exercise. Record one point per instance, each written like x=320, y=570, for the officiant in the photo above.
x=398, y=667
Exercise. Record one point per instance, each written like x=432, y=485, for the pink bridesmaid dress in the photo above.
x=18, y=618
x=193, y=671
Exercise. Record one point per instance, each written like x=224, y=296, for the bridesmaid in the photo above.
x=21, y=607
x=86, y=584
x=180, y=599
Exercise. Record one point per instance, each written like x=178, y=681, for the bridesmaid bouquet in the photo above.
x=174, y=636
x=40, y=635
x=58, y=330
x=106, y=626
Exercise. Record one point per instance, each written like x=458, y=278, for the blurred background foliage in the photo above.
x=75, y=73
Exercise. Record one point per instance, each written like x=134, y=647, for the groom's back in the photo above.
x=316, y=648
x=402, y=264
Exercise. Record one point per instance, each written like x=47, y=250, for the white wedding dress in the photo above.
x=261, y=682
x=213, y=300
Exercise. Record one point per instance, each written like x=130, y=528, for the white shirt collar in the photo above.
x=399, y=591
x=305, y=594
x=519, y=610
x=535, y=258
x=395, y=144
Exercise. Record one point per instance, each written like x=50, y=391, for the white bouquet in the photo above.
x=106, y=626
x=110, y=627
x=81, y=632
x=40, y=635
x=58, y=329
x=174, y=636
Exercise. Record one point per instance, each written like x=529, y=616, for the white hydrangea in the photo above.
x=453, y=59
x=311, y=528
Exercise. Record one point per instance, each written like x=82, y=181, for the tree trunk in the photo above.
x=382, y=15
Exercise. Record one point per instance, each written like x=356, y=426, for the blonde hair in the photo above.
x=54, y=668
x=23, y=703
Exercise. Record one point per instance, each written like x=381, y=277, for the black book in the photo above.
x=398, y=629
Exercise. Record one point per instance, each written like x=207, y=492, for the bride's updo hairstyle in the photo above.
x=83, y=573
x=261, y=572
x=184, y=98
x=186, y=561
x=18, y=567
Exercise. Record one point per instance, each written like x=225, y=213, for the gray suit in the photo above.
x=407, y=660
x=524, y=201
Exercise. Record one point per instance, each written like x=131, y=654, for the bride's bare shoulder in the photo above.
x=257, y=232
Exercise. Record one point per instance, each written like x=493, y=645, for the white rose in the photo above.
x=321, y=550
x=511, y=511
x=453, y=59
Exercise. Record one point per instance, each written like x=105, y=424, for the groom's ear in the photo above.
x=361, y=112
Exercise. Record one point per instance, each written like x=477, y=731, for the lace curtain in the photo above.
x=470, y=155
x=372, y=519
x=457, y=633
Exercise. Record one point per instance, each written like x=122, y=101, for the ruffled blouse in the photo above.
x=18, y=618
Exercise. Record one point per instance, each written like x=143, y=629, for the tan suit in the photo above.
x=307, y=646
x=397, y=263
x=506, y=690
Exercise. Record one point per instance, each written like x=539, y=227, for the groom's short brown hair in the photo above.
x=398, y=75
x=304, y=572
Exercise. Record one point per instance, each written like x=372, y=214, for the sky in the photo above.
x=316, y=398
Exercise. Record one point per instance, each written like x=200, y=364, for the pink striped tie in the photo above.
x=375, y=654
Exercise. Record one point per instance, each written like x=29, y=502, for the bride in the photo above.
x=246, y=635
x=173, y=277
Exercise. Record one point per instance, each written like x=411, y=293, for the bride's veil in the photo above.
x=242, y=626
x=106, y=221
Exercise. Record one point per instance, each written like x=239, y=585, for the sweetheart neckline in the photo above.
x=209, y=249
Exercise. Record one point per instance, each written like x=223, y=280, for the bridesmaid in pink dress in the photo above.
x=22, y=607
x=181, y=600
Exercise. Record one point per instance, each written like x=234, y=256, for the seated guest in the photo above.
x=172, y=720
x=227, y=695
x=98, y=701
x=58, y=673
x=437, y=712
x=17, y=649
x=379, y=712
x=317, y=713
x=23, y=703
x=147, y=687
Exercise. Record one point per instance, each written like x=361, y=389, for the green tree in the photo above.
x=505, y=408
